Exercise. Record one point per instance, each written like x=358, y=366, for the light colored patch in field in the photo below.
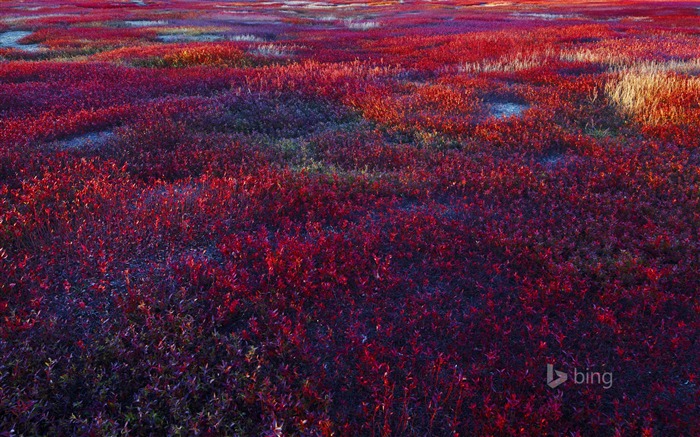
x=504, y=110
x=272, y=50
x=354, y=24
x=204, y=37
x=545, y=16
x=92, y=139
x=493, y=5
x=314, y=4
x=509, y=64
x=194, y=36
x=146, y=23
x=10, y=40
x=24, y=18
x=307, y=5
x=244, y=38
x=690, y=67
x=651, y=92
x=351, y=5
x=637, y=18
x=596, y=56
x=618, y=62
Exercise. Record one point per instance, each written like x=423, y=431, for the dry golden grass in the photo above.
x=623, y=61
x=691, y=67
x=656, y=93
x=607, y=57
x=511, y=63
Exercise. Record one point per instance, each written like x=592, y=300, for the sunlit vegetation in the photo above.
x=324, y=218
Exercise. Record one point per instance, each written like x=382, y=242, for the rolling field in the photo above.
x=390, y=218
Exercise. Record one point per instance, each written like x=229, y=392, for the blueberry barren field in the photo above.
x=332, y=218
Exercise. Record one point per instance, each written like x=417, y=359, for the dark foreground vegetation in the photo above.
x=377, y=219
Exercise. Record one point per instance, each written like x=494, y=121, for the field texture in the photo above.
x=324, y=218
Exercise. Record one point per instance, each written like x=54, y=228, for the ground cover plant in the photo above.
x=330, y=218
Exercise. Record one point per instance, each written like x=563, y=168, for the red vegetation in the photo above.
x=320, y=219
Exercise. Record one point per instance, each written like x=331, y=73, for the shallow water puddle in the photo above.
x=183, y=37
x=507, y=109
x=145, y=23
x=10, y=40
